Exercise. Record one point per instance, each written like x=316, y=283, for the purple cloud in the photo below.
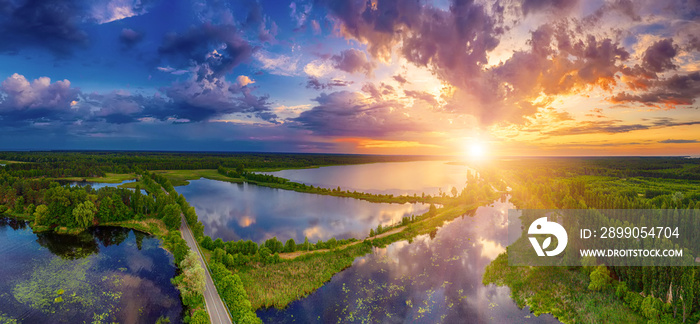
x=347, y=113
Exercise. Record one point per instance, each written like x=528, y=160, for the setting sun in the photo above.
x=476, y=150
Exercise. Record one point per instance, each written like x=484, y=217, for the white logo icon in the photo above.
x=542, y=226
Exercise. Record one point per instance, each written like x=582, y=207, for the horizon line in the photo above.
x=697, y=155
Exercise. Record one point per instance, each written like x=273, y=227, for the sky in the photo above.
x=496, y=78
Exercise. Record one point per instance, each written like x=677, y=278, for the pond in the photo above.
x=397, y=178
x=104, y=274
x=234, y=211
x=95, y=185
x=435, y=278
x=99, y=185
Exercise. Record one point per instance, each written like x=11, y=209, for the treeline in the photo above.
x=620, y=167
x=241, y=253
x=95, y=164
x=668, y=294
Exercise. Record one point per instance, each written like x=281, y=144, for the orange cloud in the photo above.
x=372, y=143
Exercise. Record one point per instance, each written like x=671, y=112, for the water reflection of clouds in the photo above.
x=243, y=211
x=132, y=285
x=246, y=221
x=491, y=249
x=139, y=262
x=425, y=281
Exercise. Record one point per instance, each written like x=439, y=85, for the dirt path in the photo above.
x=293, y=255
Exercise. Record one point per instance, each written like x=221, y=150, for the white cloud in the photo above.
x=112, y=10
x=171, y=70
x=318, y=68
x=277, y=64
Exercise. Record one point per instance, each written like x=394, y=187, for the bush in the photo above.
x=290, y=246
x=651, y=307
x=633, y=300
x=621, y=290
x=171, y=216
x=207, y=243
x=600, y=278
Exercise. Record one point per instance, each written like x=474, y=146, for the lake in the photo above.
x=106, y=273
x=397, y=178
x=433, y=279
x=234, y=211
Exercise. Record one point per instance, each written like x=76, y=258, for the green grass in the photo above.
x=279, y=284
x=559, y=291
x=151, y=226
x=132, y=185
x=18, y=215
x=181, y=177
x=109, y=178
x=10, y=162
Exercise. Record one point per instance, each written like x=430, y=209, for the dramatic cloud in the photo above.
x=220, y=47
x=347, y=113
x=455, y=44
x=352, y=61
x=192, y=100
x=562, y=58
x=116, y=107
x=39, y=99
x=676, y=90
x=202, y=98
x=659, y=56
x=614, y=126
x=451, y=41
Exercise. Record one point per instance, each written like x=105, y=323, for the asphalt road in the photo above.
x=215, y=306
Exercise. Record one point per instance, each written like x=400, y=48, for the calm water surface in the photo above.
x=397, y=178
x=99, y=185
x=106, y=274
x=434, y=279
x=234, y=211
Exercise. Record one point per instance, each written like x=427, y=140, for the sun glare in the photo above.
x=476, y=151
